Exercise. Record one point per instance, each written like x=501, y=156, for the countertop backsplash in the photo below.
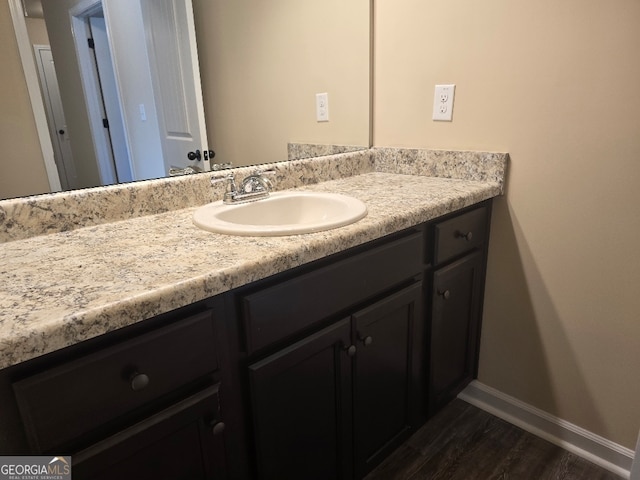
x=462, y=165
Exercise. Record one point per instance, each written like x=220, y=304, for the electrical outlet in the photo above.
x=322, y=107
x=443, y=103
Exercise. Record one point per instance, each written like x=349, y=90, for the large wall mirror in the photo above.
x=164, y=82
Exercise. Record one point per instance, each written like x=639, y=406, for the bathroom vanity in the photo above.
x=344, y=359
x=310, y=356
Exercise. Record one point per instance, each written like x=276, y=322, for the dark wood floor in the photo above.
x=463, y=442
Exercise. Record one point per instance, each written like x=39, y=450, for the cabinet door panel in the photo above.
x=177, y=443
x=386, y=392
x=454, y=327
x=301, y=400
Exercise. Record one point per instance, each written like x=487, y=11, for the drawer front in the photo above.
x=177, y=442
x=460, y=234
x=65, y=402
x=276, y=312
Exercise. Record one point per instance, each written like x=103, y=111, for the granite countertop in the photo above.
x=62, y=288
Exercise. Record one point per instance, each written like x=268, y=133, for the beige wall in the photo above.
x=37, y=30
x=557, y=85
x=22, y=169
x=262, y=64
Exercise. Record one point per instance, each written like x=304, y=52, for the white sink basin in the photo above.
x=282, y=213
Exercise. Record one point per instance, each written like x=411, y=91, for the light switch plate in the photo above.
x=322, y=107
x=443, y=103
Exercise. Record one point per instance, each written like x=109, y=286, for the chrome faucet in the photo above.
x=254, y=187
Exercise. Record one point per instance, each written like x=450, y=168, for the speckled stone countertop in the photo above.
x=65, y=287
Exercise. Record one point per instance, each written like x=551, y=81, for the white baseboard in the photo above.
x=577, y=440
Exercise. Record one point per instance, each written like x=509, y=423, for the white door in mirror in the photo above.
x=282, y=213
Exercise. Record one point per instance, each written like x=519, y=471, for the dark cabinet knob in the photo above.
x=467, y=236
x=351, y=350
x=368, y=340
x=194, y=155
x=217, y=427
x=61, y=132
x=209, y=154
x=138, y=381
x=444, y=294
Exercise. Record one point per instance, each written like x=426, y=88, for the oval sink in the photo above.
x=282, y=213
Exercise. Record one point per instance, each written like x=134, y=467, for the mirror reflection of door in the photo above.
x=175, y=74
x=150, y=46
x=55, y=117
x=150, y=50
x=119, y=148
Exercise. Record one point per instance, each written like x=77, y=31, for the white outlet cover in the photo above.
x=443, y=103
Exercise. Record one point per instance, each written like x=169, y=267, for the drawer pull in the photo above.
x=351, y=350
x=217, y=427
x=446, y=294
x=138, y=381
x=467, y=236
x=366, y=341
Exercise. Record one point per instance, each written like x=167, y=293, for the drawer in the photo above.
x=284, y=309
x=460, y=234
x=177, y=442
x=63, y=403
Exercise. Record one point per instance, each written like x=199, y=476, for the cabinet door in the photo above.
x=185, y=441
x=387, y=379
x=301, y=398
x=454, y=328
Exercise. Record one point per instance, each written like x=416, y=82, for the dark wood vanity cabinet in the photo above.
x=317, y=373
x=460, y=248
x=144, y=406
x=345, y=360
x=346, y=390
x=342, y=398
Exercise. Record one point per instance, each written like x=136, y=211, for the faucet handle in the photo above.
x=262, y=175
x=230, y=178
x=222, y=178
x=259, y=172
x=232, y=190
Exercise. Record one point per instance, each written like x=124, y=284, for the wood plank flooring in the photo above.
x=463, y=442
